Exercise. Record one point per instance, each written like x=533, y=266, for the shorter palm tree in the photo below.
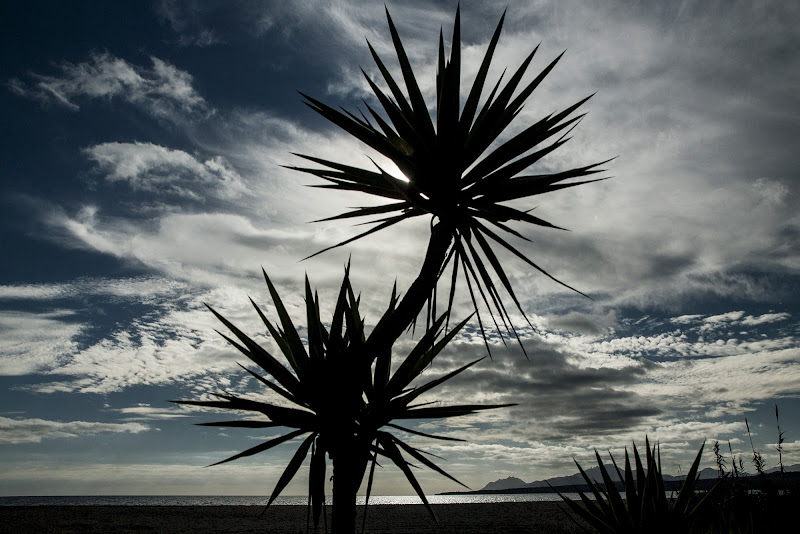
x=344, y=400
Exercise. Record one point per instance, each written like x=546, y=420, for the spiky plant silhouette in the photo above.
x=342, y=399
x=461, y=169
x=451, y=174
x=644, y=507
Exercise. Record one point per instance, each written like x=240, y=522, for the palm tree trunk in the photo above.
x=349, y=454
x=348, y=471
x=385, y=334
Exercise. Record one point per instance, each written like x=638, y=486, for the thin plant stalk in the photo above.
x=779, y=447
x=758, y=461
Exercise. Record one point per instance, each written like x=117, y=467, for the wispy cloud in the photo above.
x=150, y=167
x=144, y=411
x=35, y=430
x=185, y=21
x=168, y=348
x=32, y=343
x=177, y=244
x=764, y=319
x=144, y=289
x=162, y=90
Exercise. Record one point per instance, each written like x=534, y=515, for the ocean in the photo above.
x=249, y=500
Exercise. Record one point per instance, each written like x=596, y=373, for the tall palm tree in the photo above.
x=457, y=171
x=334, y=395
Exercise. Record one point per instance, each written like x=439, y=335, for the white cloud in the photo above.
x=178, y=245
x=723, y=318
x=173, y=337
x=150, y=167
x=144, y=289
x=33, y=343
x=163, y=90
x=31, y=291
x=624, y=245
x=168, y=351
x=685, y=319
x=35, y=430
x=727, y=385
x=765, y=319
x=143, y=411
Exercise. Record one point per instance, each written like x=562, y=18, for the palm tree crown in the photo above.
x=339, y=397
x=450, y=173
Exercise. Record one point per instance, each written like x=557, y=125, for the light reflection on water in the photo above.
x=465, y=499
x=225, y=500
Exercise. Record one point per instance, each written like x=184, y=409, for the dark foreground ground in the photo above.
x=505, y=518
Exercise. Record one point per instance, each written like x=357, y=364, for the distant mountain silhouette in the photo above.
x=506, y=483
x=567, y=483
x=511, y=483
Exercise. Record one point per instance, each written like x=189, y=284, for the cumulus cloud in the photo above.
x=592, y=388
x=35, y=430
x=162, y=90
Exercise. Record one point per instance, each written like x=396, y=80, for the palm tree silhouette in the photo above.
x=338, y=385
x=339, y=399
x=450, y=174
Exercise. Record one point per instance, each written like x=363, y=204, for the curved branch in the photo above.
x=392, y=326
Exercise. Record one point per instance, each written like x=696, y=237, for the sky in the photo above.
x=143, y=175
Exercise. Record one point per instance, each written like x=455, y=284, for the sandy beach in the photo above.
x=505, y=518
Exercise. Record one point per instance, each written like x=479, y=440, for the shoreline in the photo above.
x=499, y=518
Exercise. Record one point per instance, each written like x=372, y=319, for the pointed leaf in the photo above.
x=260, y=356
x=394, y=454
x=419, y=457
x=440, y=412
x=277, y=389
x=389, y=222
x=471, y=104
x=423, y=434
x=298, y=358
x=263, y=446
x=422, y=119
x=409, y=397
x=292, y=467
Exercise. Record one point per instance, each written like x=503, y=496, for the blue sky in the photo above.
x=142, y=175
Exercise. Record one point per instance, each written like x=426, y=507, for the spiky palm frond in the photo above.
x=449, y=171
x=331, y=390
